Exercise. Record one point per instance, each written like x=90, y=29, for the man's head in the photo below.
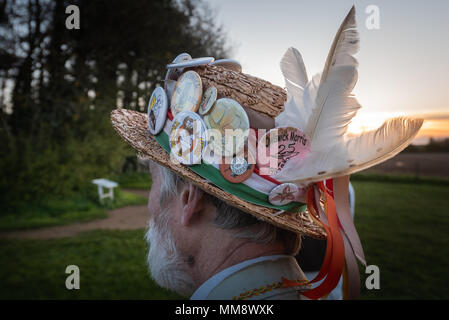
x=193, y=235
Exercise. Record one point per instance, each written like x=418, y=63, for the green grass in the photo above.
x=404, y=231
x=133, y=180
x=64, y=211
x=112, y=266
x=403, y=227
x=76, y=208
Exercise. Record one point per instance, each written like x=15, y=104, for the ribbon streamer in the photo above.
x=343, y=243
x=341, y=195
x=334, y=260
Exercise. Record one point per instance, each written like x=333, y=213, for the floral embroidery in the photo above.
x=269, y=287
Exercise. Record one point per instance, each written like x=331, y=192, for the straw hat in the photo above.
x=322, y=108
x=262, y=101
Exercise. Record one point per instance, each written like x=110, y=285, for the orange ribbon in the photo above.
x=334, y=260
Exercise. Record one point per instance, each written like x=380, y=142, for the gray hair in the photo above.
x=243, y=225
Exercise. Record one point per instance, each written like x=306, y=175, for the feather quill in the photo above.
x=344, y=46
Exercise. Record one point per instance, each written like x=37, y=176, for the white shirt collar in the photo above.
x=203, y=291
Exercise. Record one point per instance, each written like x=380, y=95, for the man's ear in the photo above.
x=191, y=203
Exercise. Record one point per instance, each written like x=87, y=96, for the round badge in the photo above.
x=174, y=73
x=230, y=64
x=157, y=110
x=187, y=93
x=227, y=114
x=188, y=138
x=209, y=98
x=239, y=169
x=283, y=194
x=292, y=145
x=191, y=62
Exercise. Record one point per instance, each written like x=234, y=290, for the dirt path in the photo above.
x=132, y=217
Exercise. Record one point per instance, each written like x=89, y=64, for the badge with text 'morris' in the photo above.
x=279, y=146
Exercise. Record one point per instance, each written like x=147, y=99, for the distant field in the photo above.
x=420, y=164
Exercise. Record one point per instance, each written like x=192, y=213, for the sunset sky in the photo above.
x=403, y=65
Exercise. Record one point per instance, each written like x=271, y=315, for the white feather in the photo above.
x=292, y=116
x=353, y=153
x=339, y=106
x=344, y=46
x=293, y=69
x=295, y=75
x=324, y=109
x=375, y=146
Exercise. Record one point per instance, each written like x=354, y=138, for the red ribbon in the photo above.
x=334, y=260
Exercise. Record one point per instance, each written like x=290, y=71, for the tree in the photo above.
x=59, y=85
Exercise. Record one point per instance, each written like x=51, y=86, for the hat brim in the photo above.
x=132, y=127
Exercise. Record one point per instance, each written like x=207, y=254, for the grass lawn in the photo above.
x=404, y=231
x=403, y=227
x=133, y=180
x=64, y=211
x=111, y=263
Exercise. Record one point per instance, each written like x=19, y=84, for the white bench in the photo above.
x=102, y=184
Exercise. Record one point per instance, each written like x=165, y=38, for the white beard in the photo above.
x=167, y=266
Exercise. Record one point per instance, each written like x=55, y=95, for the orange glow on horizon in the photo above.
x=435, y=128
x=435, y=125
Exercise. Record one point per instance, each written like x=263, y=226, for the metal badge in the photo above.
x=187, y=94
x=209, y=98
x=157, y=110
x=230, y=64
x=239, y=169
x=191, y=63
x=174, y=73
x=283, y=194
x=228, y=114
x=238, y=166
x=188, y=138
